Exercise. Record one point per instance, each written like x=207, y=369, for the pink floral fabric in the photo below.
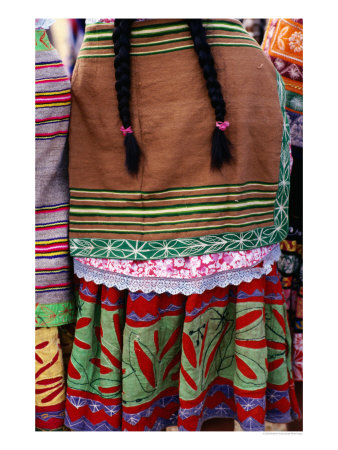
x=182, y=268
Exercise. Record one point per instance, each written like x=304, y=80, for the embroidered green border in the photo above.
x=55, y=314
x=41, y=41
x=173, y=248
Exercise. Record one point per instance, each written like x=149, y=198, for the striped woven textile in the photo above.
x=159, y=212
x=54, y=297
x=98, y=38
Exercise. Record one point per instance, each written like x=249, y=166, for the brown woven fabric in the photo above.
x=173, y=121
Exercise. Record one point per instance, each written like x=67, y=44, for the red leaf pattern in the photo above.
x=81, y=344
x=109, y=390
x=248, y=319
x=171, y=341
x=280, y=319
x=115, y=362
x=172, y=364
x=188, y=378
x=251, y=344
x=145, y=364
x=47, y=366
x=189, y=350
x=245, y=369
x=83, y=322
x=41, y=345
x=275, y=364
x=72, y=372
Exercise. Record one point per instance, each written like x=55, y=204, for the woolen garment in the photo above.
x=53, y=268
x=177, y=206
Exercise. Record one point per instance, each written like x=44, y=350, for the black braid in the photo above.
x=121, y=38
x=220, y=151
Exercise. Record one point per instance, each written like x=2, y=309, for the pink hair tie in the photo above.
x=222, y=125
x=126, y=130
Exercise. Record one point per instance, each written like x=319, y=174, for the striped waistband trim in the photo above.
x=164, y=38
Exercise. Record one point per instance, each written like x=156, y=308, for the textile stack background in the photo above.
x=283, y=44
x=54, y=306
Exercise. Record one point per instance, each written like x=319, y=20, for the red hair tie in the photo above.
x=222, y=125
x=126, y=130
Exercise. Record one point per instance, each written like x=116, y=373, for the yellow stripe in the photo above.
x=44, y=105
x=47, y=65
x=52, y=254
x=66, y=91
x=51, y=241
x=51, y=79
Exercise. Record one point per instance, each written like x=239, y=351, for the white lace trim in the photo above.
x=174, y=285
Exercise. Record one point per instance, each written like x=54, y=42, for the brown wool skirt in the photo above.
x=175, y=195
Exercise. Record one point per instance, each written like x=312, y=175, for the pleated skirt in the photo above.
x=142, y=362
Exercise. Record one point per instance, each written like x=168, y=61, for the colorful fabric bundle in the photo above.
x=291, y=268
x=53, y=269
x=54, y=299
x=283, y=43
x=147, y=361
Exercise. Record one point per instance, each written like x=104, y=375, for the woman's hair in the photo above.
x=220, y=151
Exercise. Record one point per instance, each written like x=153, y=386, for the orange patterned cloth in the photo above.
x=283, y=43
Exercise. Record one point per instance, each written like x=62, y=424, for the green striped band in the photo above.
x=166, y=41
x=170, y=230
x=180, y=189
x=165, y=222
x=188, y=38
x=173, y=27
x=165, y=199
x=170, y=210
x=169, y=50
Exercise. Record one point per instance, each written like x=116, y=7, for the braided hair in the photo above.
x=220, y=151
